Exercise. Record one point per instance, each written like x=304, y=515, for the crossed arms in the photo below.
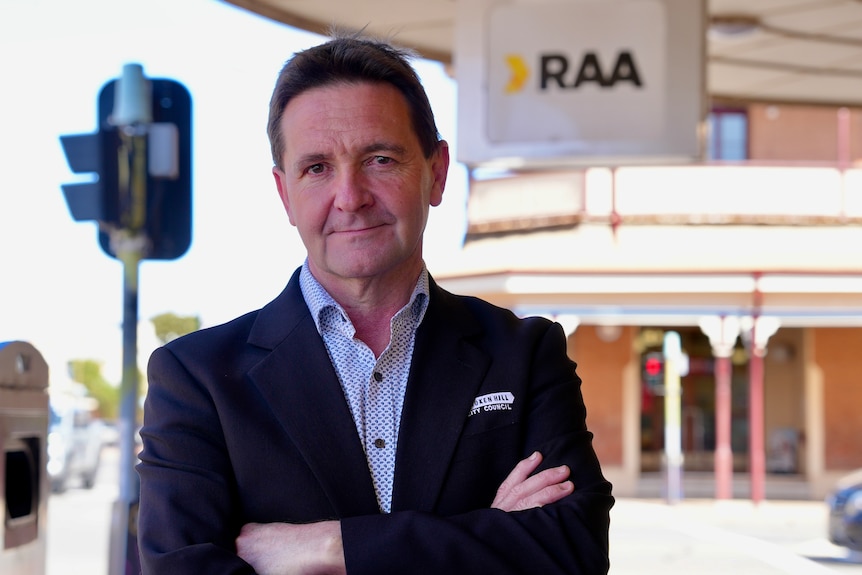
x=228, y=486
x=317, y=549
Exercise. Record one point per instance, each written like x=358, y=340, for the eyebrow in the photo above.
x=308, y=160
x=384, y=147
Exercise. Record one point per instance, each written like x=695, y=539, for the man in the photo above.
x=367, y=421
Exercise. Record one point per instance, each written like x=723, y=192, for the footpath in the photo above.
x=705, y=537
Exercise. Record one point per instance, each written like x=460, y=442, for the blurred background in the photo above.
x=677, y=182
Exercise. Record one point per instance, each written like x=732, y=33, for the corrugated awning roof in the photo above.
x=800, y=51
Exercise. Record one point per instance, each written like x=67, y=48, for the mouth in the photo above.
x=356, y=234
x=358, y=230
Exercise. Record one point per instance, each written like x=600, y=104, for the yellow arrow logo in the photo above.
x=519, y=73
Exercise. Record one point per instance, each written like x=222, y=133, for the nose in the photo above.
x=352, y=192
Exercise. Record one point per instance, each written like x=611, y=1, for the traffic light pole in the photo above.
x=123, y=544
x=141, y=200
x=129, y=242
x=132, y=115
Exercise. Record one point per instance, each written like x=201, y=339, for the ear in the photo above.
x=281, y=184
x=439, y=171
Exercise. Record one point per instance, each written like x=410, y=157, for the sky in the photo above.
x=58, y=290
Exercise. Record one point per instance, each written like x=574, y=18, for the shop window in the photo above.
x=728, y=134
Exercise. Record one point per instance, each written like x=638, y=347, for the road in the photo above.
x=647, y=536
x=79, y=523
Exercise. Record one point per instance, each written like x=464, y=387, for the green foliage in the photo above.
x=89, y=373
x=170, y=326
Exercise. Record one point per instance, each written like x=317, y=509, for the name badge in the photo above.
x=500, y=401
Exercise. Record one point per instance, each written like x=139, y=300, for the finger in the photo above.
x=539, y=489
x=525, y=468
x=249, y=528
x=546, y=496
x=517, y=476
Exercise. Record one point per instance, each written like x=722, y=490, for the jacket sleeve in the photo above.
x=569, y=536
x=187, y=515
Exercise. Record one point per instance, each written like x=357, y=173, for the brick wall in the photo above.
x=800, y=133
x=836, y=353
x=600, y=366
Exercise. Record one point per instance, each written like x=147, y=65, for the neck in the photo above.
x=370, y=303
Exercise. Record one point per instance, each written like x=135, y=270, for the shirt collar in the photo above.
x=320, y=302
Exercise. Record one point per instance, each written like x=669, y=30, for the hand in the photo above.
x=521, y=491
x=288, y=549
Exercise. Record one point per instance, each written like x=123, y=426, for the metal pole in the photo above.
x=124, y=517
x=672, y=416
x=132, y=115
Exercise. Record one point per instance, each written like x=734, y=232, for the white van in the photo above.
x=75, y=440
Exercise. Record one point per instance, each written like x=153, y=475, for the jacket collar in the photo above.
x=302, y=389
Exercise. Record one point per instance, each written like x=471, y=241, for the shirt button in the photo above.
x=379, y=443
x=378, y=377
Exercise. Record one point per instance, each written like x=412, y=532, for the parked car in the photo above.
x=75, y=440
x=845, y=512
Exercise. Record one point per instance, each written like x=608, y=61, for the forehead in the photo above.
x=346, y=108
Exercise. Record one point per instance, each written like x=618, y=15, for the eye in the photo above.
x=381, y=160
x=315, y=169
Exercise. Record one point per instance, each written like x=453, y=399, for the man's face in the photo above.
x=355, y=182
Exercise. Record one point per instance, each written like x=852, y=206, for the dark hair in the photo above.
x=351, y=59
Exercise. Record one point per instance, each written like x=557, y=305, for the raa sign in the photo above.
x=579, y=81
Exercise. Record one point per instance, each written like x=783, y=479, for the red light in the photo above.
x=653, y=366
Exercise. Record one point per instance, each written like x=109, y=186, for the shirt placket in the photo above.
x=380, y=434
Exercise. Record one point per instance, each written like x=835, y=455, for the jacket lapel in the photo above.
x=300, y=385
x=445, y=376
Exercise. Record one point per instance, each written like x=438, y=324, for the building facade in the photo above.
x=764, y=234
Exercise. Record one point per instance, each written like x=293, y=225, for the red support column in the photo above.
x=762, y=328
x=722, y=332
x=723, y=450
x=756, y=449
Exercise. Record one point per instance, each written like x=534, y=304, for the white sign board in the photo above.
x=579, y=81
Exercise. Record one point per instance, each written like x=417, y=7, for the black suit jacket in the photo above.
x=246, y=422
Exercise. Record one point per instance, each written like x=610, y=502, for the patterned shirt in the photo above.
x=374, y=387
